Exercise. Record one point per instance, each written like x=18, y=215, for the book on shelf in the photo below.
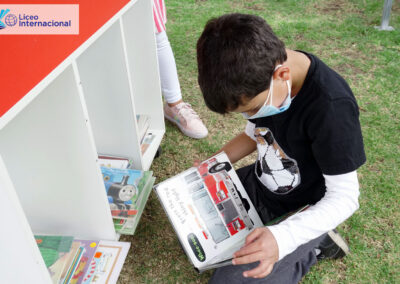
x=114, y=162
x=89, y=248
x=107, y=262
x=71, y=265
x=55, y=252
x=52, y=248
x=149, y=137
x=143, y=123
x=56, y=270
x=83, y=261
x=127, y=226
x=127, y=192
x=209, y=210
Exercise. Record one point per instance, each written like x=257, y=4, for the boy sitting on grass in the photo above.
x=303, y=120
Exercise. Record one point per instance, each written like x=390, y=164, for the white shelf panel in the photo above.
x=51, y=159
x=50, y=182
x=105, y=86
x=17, y=245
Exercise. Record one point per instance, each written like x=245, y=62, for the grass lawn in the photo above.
x=342, y=34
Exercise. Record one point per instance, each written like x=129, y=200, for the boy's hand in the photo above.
x=260, y=246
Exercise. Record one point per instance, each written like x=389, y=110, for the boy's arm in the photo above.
x=272, y=243
x=337, y=146
x=338, y=204
x=239, y=147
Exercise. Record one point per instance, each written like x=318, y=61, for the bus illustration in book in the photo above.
x=210, y=211
x=218, y=201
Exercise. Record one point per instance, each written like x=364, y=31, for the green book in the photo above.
x=53, y=247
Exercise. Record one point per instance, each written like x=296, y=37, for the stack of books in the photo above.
x=77, y=261
x=143, y=122
x=146, y=142
x=145, y=136
x=127, y=192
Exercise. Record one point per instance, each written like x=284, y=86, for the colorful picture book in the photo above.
x=127, y=226
x=74, y=258
x=107, y=262
x=52, y=248
x=210, y=211
x=55, y=252
x=127, y=192
x=82, y=261
x=89, y=249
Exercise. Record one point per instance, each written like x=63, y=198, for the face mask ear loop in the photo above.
x=269, y=94
x=272, y=84
x=289, y=88
x=271, y=89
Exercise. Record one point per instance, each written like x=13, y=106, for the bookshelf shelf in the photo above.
x=50, y=139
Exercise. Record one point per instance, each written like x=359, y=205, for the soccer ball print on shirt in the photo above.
x=276, y=171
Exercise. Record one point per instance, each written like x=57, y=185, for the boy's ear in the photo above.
x=282, y=73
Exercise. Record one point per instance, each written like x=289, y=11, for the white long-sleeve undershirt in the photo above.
x=338, y=204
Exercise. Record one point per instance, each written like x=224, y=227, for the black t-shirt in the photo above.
x=319, y=134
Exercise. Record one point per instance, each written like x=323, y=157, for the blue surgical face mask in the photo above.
x=268, y=110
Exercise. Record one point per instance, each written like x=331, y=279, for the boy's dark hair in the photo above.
x=236, y=56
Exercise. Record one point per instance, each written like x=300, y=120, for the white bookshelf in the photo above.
x=18, y=247
x=50, y=182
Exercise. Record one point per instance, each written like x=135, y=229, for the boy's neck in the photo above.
x=298, y=63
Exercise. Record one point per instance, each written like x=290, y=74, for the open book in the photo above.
x=210, y=211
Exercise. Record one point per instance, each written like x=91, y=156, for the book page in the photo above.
x=107, y=262
x=209, y=209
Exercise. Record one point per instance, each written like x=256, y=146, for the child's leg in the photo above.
x=167, y=68
x=290, y=269
x=176, y=110
x=168, y=74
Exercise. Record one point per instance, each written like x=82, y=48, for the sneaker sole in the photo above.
x=339, y=241
x=184, y=131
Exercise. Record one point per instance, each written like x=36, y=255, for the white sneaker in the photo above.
x=186, y=119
